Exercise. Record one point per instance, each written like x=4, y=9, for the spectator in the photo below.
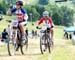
x=8, y=29
x=66, y=35
x=32, y=33
x=4, y=35
x=1, y=17
x=26, y=31
x=70, y=36
x=35, y=33
x=73, y=38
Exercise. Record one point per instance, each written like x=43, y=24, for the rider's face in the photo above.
x=18, y=6
x=46, y=17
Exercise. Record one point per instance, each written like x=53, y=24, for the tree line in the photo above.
x=62, y=15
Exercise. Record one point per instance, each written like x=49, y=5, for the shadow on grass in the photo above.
x=33, y=54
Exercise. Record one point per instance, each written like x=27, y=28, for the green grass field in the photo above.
x=63, y=50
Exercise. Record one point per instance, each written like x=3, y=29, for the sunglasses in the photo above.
x=17, y=4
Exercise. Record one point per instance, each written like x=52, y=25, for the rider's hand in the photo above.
x=8, y=12
x=37, y=27
x=51, y=26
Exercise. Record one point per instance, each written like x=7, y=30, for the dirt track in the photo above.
x=33, y=52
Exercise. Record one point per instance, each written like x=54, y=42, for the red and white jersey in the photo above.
x=46, y=21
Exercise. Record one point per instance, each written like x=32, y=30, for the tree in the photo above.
x=68, y=15
x=35, y=14
x=43, y=2
x=60, y=0
x=32, y=9
x=3, y=7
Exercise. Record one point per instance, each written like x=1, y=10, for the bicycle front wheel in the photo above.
x=11, y=48
x=48, y=43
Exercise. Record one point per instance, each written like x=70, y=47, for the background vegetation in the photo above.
x=62, y=13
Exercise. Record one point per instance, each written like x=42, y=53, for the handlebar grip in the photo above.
x=38, y=27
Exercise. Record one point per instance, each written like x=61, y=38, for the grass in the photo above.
x=63, y=50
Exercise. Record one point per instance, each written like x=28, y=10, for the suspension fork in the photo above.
x=45, y=39
x=15, y=36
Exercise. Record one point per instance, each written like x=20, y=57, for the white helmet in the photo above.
x=45, y=13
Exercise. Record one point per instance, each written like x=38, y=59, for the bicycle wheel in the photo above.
x=24, y=47
x=42, y=45
x=11, y=48
x=48, y=43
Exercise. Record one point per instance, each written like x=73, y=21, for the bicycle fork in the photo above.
x=15, y=41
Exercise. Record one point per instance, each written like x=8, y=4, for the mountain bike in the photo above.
x=45, y=39
x=15, y=39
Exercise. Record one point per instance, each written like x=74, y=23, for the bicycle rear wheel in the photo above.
x=24, y=47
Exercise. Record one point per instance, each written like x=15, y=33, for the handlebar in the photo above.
x=41, y=27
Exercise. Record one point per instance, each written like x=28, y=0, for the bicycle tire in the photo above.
x=25, y=46
x=49, y=42
x=41, y=46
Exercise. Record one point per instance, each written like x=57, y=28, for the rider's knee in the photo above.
x=20, y=25
x=52, y=30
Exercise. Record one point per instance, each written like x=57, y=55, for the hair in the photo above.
x=20, y=3
x=4, y=30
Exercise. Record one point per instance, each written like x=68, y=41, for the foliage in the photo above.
x=43, y=2
x=61, y=15
x=3, y=7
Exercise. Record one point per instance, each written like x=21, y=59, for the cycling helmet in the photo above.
x=45, y=13
x=19, y=3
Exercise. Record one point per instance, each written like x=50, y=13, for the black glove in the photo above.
x=25, y=24
x=37, y=27
x=51, y=26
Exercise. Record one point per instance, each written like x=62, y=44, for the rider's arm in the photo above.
x=10, y=11
x=40, y=21
x=25, y=14
x=51, y=22
x=26, y=17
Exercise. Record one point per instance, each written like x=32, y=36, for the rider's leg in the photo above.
x=52, y=33
x=21, y=26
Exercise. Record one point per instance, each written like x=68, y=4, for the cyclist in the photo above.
x=21, y=16
x=46, y=20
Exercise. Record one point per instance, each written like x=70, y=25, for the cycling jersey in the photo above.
x=21, y=14
x=46, y=21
